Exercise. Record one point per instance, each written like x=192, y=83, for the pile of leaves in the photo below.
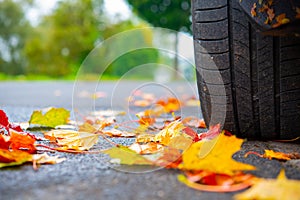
x=162, y=139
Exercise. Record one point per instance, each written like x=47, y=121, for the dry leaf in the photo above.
x=253, y=10
x=214, y=155
x=172, y=130
x=70, y=139
x=270, y=154
x=281, y=19
x=149, y=148
x=275, y=189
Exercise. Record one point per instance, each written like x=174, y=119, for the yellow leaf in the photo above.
x=52, y=118
x=172, y=130
x=12, y=158
x=277, y=155
x=127, y=156
x=275, y=189
x=73, y=139
x=214, y=155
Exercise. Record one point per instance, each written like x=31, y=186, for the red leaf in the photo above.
x=189, y=131
x=211, y=133
x=3, y=119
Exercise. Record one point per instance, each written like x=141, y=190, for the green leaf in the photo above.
x=53, y=117
x=127, y=156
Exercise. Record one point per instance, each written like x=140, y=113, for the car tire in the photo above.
x=260, y=73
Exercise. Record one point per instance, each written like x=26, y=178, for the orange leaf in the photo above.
x=7, y=156
x=281, y=19
x=22, y=142
x=253, y=10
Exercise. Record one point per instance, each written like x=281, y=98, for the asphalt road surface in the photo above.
x=92, y=176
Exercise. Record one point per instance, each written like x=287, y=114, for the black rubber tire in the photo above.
x=261, y=74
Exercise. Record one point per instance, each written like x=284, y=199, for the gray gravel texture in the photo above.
x=92, y=176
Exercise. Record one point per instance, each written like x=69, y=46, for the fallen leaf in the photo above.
x=3, y=119
x=52, y=118
x=194, y=122
x=214, y=155
x=212, y=182
x=170, y=158
x=281, y=19
x=253, y=10
x=170, y=131
x=270, y=154
x=280, y=188
x=180, y=142
x=12, y=158
x=212, y=132
x=6, y=124
x=21, y=142
x=171, y=105
x=149, y=148
x=147, y=118
x=127, y=156
x=70, y=139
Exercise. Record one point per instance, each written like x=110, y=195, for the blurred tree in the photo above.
x=65, y=37
x=13, y=32
x=171, y=14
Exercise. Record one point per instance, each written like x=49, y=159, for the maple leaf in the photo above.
x=52, y=118
x=126, y=156
x=12, y=158
x=170, y=131
x=70, y=139
x=275, y=189
x=21, y=142
x=214, y=155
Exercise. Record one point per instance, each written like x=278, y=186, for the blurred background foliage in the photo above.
x=56, y=46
